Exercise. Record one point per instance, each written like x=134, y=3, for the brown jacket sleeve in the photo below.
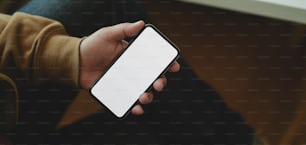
x=34, y=49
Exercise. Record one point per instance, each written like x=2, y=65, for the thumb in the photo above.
x=121, y=31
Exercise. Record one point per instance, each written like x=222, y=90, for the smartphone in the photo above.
x=145, y=59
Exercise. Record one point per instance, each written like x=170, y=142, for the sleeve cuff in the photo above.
x=59, y=60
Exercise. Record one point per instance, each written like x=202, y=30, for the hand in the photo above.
x=99, y=49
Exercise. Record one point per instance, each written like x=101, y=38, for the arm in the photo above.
x=33, y=48
x=29, y=53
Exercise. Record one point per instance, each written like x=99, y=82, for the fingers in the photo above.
x=123, y=30
x=137, y=110
x=146, y=98
x=133, y=29
x=160, y=83
x=175, y=67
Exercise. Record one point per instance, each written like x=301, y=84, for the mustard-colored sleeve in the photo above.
x=36, y=50
x=33, y=49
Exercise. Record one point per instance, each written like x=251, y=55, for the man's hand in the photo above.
x=99, y=49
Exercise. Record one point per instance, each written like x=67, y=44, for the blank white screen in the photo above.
x=134, y=71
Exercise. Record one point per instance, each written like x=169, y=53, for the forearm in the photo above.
x=37, y=49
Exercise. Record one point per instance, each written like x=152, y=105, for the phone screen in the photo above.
x=135, y=70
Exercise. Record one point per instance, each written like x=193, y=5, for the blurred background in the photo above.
x=252, y=53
